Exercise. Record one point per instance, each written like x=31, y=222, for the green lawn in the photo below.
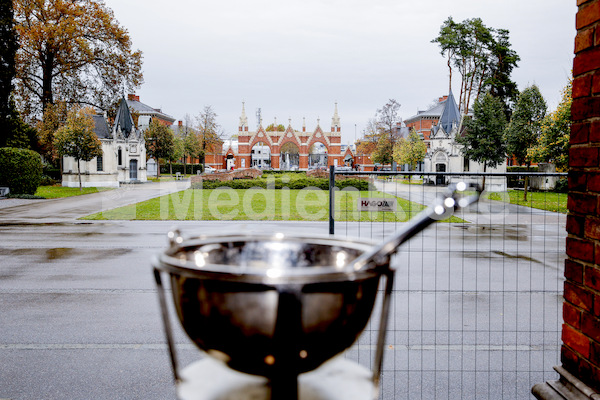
x=258, y=204
x=549, y=201
x=55, y=192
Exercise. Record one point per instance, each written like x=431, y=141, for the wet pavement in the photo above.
x=476, y=307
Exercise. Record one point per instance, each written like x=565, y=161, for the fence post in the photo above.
x=331, y=199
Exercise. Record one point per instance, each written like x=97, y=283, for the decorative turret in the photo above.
x=124, y=125
x=303, y=124
x=243, y=119
x=335, y=121
x=450, y=117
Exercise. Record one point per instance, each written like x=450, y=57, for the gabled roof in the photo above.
x=450, y=115
x=101, y=127
x=123, y=120
x=144, y=109
x=434, y=112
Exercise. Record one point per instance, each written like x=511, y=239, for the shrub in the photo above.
x=48, y=181
x=20, y=170
x=52, y=172
x=562, y=185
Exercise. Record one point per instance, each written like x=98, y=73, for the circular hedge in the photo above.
x=20, y=170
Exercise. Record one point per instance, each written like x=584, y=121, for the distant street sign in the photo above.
x=372, y=204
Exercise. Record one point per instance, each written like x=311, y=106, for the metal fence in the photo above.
x=477, y=302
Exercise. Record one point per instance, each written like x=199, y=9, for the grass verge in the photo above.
x=259, y=204
x=548, y=201
x=55, y=192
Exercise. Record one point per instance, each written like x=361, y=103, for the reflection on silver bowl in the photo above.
x=269, y=304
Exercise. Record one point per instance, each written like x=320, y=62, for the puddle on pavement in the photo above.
x=63, y=253
x=508, y=232
x=490, y=254
x=58, y=253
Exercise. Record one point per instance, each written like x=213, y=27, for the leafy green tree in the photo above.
x=8, y=49
x=525, y=127
x=192, y=147
x=77, y=139
x=18, y=134
x=74, y=51
x=553, y=143
x=484, y=141
x=410, y=150
x=177, y=152
x=383, y=151
x=159, y=142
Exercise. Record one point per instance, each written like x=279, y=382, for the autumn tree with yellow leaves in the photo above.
x=553, y=143
x=73, y=51
x=77, y=139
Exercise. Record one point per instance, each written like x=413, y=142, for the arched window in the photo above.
x=120, y=157
x=99, y=164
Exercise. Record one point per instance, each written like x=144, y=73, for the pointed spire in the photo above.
x=123, y=119
x=303, y=124
x=243, y=118
x=450, y=115
x=335, y=121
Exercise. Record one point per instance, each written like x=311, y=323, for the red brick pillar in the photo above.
x=580, y=353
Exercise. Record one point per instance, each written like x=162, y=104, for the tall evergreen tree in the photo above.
x=504, y=61
x=484, y=141
x=482, y=56
x=8, y=48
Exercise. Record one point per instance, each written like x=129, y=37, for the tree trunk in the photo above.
x=450, y=69
x=526, y=184
x=79, y=175
x=171, y=168
x=484, y=171
x=47, y=97
x=157, y=168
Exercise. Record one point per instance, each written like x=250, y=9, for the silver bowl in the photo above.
x=267, y=304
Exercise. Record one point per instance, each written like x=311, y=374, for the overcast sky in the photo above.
x=296, y=58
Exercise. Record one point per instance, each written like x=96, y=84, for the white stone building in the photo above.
x=123, y=157
x=444, y=153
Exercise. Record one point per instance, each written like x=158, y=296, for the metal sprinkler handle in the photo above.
x=442, y=208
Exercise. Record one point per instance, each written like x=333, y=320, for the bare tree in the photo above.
x=209, y=131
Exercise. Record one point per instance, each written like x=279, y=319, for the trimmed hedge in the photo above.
x=279, y=183
x=521, y=169
x=178, y=167
x=20, y=170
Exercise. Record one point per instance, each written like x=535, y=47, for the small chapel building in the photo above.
x=440, y=126
x=123, y=158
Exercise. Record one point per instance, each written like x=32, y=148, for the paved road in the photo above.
x=476, y=308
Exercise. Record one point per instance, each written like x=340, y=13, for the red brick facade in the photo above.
x=580, y=353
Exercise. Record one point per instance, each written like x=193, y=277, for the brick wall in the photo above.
x=580, y=353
